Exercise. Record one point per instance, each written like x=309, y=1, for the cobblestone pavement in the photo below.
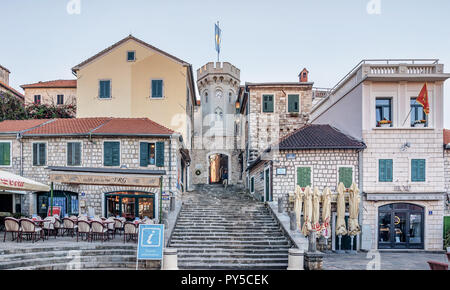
x=389, y=261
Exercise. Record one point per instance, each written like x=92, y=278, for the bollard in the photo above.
x=280, y=205
x=170, y=259
x=295, y=260
x=293, y=219
x=312, y=246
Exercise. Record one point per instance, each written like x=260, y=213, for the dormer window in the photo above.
x=131, y=55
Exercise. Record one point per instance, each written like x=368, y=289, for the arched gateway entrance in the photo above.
x=401, y=226
x=218, y=168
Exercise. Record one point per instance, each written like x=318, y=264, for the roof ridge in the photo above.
x=16, y=92
x=101, y=125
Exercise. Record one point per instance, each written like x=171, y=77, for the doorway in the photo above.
x=218, y=168
x=267, y=185
x=401, y=226
x=66, y=200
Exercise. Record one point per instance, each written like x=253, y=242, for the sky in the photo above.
x=266, y=40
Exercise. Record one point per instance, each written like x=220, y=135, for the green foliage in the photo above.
x=12, y=108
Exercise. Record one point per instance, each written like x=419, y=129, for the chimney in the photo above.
x=303, y=76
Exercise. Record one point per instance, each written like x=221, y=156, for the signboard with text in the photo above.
x=150, y=242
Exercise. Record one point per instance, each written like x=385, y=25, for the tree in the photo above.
x=11, y=107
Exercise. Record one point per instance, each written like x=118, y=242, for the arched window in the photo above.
x=206, y=97
x=218, y=114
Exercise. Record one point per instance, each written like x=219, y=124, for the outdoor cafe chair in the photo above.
x=30, y=229
x=118, y=226
x=99, y=230
x=69, y=226
x=58, y=225
x=12, y=226
x=130, y=230
x=84, y=229
x=82, y=218
x=49, y=226
x=110, y=222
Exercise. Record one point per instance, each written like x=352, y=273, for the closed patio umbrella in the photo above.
x=326, y=212
x=298, y=206
x=9, y=181
x=341, y=229
x=307, y=212
x=316, y=210
x=353, y=210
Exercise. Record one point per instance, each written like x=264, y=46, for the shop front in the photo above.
x=130, y=204
x=400, y=226
x=65, y=200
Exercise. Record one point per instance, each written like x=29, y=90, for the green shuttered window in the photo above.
x=293, y=103
x=74, y=154
x=105, y=89
x=267, y=103
x=111, y=153
x=5, y=154
x=385, y=170
x=39, y=154
x=346, y=176
x=157, y=88
x=304, y=176
x=160, y=154
x=147, y=154
x=418, y=170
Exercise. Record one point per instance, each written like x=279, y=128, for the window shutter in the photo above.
x=418, y=170
x=270, y=104
x=422, y=170
x=389, y=170
x=293, y=101
x=144, y=155
x=381, y=170
x=107, y=154
x=304, y=176
x=116, y=154
x=2, y=154
x=35, y=153
x=160, y=154
x=346, y=176
x=42, y=157
x=70, y=154
x=385, y=170
x=77, y=155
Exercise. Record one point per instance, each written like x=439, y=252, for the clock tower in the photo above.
x=215, y=134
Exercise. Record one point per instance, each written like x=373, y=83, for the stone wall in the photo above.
x=91, y=156
x=49, y=95
x=447, y=180
x=258, y=173
x=324, y=164
x=267, y=128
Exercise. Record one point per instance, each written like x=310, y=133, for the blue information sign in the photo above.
x=150, y=242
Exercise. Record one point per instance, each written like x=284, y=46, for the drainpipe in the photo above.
x=360, y=185
x=19, y=138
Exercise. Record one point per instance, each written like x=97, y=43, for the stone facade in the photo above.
x=447, y=180
x=49, y=95
x=265, y=129
x=92, y=157
x=4, y=75
x=215, y=130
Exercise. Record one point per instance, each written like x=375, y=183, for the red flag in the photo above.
x=423, y=99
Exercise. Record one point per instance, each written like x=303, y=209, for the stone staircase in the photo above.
x=83, y=257
x=227, y=229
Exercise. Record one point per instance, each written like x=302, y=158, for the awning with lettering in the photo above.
x=9, y=181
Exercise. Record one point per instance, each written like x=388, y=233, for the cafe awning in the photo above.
x=9, y=181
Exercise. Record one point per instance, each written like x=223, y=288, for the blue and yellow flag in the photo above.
x=218, y=37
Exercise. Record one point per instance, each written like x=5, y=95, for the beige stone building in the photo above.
x=447, y=172
x=4, y=83
x=99, y=166
x=402, y=168
x=57, y=92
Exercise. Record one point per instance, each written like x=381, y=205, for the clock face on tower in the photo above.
x=219, y=94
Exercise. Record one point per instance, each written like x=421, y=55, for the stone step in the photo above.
x=231, y=242
x=84, y=266
x=64, y=253
x=237, y=238
x=219, y=266
x=181, y=246
x=214, y=235
x=67, y=260
x=35, y=248
x=233, y=260
x=281, y=255
x=249, y=251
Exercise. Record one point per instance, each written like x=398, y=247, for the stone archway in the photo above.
x=217, y=163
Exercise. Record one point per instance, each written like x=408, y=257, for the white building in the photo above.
x=402, y=168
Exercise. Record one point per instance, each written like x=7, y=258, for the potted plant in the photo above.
x=420, y=123
x=384, y=123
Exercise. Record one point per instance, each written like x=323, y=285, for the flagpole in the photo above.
x=415, y=102
x=218, y=51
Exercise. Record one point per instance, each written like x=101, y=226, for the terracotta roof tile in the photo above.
x=446, y=136
x=133, y=126
x=69, y=126
x=52, y=84
x=10, y=89
x=16, y=126
x=319, y=137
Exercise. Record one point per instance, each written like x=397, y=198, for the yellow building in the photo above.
x=133, y=79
